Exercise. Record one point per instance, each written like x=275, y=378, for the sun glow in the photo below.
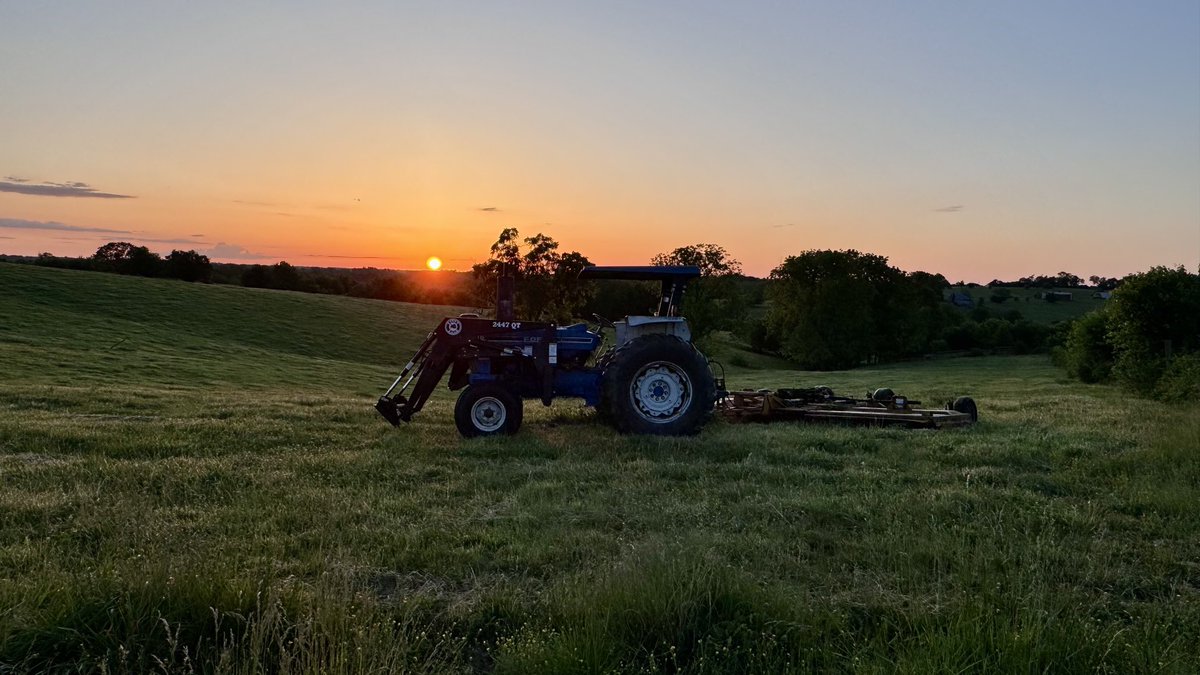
x=434, y=263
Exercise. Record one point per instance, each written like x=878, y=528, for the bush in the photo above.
x=1153, y=316
x=760, y=337
x=1147, y=336
x=1088, y=355
x=1180, y=380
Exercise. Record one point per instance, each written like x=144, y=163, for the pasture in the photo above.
x=1032, y=307
x=193, y=479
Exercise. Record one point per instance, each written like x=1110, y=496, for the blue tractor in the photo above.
x=653, y=380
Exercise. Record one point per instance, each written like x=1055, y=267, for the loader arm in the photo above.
x=456, y=342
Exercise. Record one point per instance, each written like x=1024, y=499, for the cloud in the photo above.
x=171, y=241
x=244, y=202
x=784, y=225
x=354, y=257
x=195, y=235
x=223, y=250
x=3, y=237
x=19, y=224
x=491, y=209
x=950, y=209
x=48, y=189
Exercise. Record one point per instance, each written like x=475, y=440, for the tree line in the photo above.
x=120, y=257
x=820, y=309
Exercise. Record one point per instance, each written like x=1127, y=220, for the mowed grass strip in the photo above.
x=208, y=496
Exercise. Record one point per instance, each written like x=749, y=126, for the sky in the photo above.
x=978, y=139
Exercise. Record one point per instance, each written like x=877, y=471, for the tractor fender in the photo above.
x=634, y=327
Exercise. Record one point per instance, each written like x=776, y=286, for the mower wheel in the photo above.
x=660, y=385
x=487, y=410
x=966, y=404
x=883, y=395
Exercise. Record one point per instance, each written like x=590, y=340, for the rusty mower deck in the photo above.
x=820, y=404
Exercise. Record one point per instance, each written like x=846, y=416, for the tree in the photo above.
x=547, y=282
x=189, y=266
x=825, y=307
x=713, y=260
x=256, y=276
x=836, y=309
x=123, y=257
x=713, y=302
x=1067, y=280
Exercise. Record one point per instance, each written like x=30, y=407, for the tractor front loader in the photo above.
x=652, y=381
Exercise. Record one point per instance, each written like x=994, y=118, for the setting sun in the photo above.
x=434, y=263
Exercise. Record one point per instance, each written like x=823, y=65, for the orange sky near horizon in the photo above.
x=975, y=141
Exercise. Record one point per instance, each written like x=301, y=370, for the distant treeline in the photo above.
x=818, y=309
x=1060, y=280
x=436, y=288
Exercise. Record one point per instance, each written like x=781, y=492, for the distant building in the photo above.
x=1056, y=296
x=960, y=299
x=1103, y=295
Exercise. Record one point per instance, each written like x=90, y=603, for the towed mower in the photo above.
x=820, y=404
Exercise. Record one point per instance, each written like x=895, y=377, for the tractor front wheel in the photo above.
x=487, y=410
x=658, y=384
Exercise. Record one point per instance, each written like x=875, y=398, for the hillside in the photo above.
x=91, y=326
x=1027, y=302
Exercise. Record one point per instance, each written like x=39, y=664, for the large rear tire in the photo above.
x=487, y=410
x=660, y=385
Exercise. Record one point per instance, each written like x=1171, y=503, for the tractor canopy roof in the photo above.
x=642, y=273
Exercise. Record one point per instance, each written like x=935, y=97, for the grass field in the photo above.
x=192, y=478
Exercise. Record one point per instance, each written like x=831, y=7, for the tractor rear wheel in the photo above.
x=487, y=410
x=658, y=384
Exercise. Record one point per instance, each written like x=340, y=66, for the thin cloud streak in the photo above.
x=69, y=189
x=173, y=241
x=949, y=209
x=20, y=224
x=354, y=257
